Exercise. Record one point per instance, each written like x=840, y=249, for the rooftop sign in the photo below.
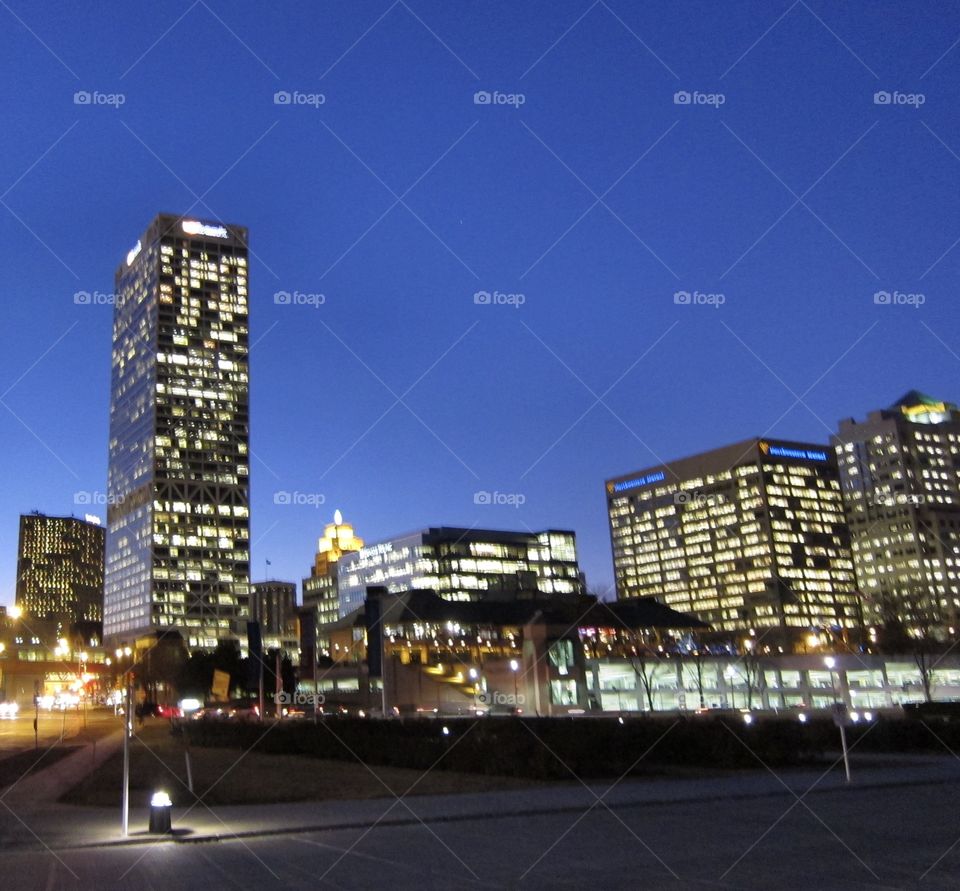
x=779, y=451
x=192, y=227
x=648, y=478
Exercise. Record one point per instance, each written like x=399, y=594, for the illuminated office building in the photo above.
x=900, y=472
x=178, y=492
x=60, y=568
x=321, y=590
x=748, y=536
x=465, y=564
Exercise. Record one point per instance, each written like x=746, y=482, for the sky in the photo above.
x=469, y=224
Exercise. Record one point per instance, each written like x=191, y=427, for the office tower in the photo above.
x=465, y=564
x=900, y=472
x=320, y=590
x=274, y=605
x=748, y=536
x=178, y=487
x=60, y=568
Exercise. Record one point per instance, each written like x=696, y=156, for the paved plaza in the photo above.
x=896, y=826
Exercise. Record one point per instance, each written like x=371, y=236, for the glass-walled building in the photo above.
x=465, y=564
x=751, y=535
x=178, y=486
x=60, y=568
x=900, y=472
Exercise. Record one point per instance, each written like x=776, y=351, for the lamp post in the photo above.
x=515, y=667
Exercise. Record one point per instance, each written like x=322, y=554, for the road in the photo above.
x=16, y=734
x=901, y=837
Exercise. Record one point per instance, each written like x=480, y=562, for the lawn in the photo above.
x=223, y=776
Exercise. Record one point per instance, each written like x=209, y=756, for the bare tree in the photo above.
x=910, y=625
x=646, y=666
x=752, y=672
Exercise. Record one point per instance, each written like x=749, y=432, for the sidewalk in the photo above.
x=65, y=826
x=44, y=788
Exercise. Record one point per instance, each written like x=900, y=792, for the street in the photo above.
x=16, y=734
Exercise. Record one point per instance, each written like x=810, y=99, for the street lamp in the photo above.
x=515, y=667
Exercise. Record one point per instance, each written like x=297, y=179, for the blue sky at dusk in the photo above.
x=583, y=187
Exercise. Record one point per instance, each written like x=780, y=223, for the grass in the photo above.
x=224, y=776
x=17, y=767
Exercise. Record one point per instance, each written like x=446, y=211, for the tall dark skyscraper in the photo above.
x=178, y=517
x=748, y=536
x=900, y=470
x=60, y=568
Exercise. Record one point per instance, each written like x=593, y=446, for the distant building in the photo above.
x=178, y=515
x=274, y=605
x=412, y=651
x=321, y=590
x=60, y=568
x=466, y=565
x=900, y=472
x=748, y=536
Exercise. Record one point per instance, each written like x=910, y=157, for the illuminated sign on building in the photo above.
x=192, y=227
x=776, y=451
x=132, y=253
x=655, y=477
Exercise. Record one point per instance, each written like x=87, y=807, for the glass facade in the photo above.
x=178, y=484
x=748, y=536
x=901, y=484
x=60, y=568
x=465, y=564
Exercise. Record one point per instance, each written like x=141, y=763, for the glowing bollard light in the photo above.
x=160, y=807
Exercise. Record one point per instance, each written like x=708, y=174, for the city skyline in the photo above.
x=477, y=292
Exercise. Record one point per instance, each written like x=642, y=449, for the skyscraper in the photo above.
x=60, y=568
x=320, y=589
x=178, y=512
x=751, y=535
x=900, y=471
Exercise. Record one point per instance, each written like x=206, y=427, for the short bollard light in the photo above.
x=160, y=807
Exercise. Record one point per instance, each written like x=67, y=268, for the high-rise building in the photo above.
x=60, y=568
x=748, y=536
x=465, y=564
x=900, y=472
x=178, y=513
x=320, y=589
x=274, y=605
